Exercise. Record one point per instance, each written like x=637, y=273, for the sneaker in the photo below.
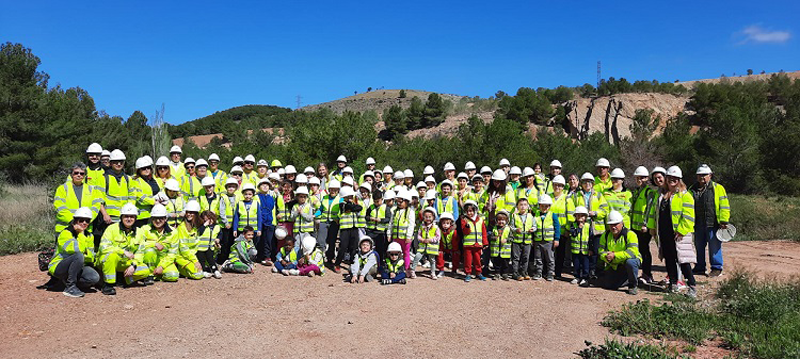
x=480, y=277
x=217, y=274
x=672, y=289
x=494, y=276
x=633, y=291
x=312, y=273
x=692, y=292
x=274, y=269
x=468, y=278
x=537, y=277
x=440, y=274
x=267, y=263
x=413, y=275
x=426, y=265
x=516, y=277
x=698, y=271
x=150, y=280
x=681, y=285
x=402, y=281
x=206, y=275
x=584, y=283
x=715, y=273
x=285, y=272
x=549, y=279
x=337, y=269
x=109, y=290
x=73, y=291
x=504, y=277
x=434, y=277
x=294, y=272
x=527, y=277
x=574, y=281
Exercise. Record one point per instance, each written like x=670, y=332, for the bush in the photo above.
x=613, y=349
x=765, y=218
x=27, y=218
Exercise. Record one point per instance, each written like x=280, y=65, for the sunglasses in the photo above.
x=158, y=218
x=249, y=162
x=189, y=167
x=394, y=254
x=162, y=168
x=116, y=162
x=81, y=220
x=213, y=162
x=76, y=173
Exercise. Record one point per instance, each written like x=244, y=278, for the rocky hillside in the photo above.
x=377, y=100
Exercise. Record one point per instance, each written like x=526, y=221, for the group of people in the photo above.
x=177, y=218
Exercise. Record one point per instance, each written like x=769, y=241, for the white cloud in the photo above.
x=757, y=34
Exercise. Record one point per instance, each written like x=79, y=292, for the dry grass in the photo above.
x=27, y=218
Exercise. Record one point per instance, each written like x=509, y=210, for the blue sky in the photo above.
x=200, y=57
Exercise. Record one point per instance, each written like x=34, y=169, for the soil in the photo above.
x=269, y=315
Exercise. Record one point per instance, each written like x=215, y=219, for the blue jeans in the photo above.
x=265, y=245
x=626, y=273
x=703, y=237
x=281, y=267
x=580, y=266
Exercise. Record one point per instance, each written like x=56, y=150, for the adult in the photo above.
x=116, y=188
x=564, y=208
x=118, y=247
x=217, y=174
x=144, y=186
x=602, y=182
x=529, y=188
x=105, y=159
x=619, y=250
x=175, y=162
x=188, y=166
x=574, y=184
x=192, y=186
x=642, y=202
x=505, y=165
x=159, y=244
x=713, y=211
x=618, y=197
x=674, y=226
x=555, y=170
x=163, y=171
x=470, y=168
x=94, y=169
x=74, y=255
x=322, y=173
x=341, y=163
x=75, y=194
x=187, y=240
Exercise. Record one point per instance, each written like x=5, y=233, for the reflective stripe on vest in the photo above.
x=248, y=215
x=300, y=224
x=496, y=249
x=545, y=229
x=380, y=215
x=428, y=234
x=475, y=235
x=523, y=222
x=400, y=224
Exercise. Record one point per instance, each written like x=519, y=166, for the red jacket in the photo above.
x=464, y=230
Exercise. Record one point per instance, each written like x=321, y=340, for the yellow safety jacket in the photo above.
x=248, y=216
x=523, y=222
x=66, y=203
x=300, y=224
x=379, y=213
x=580, y=242
x=70, y=243
x=188, y=242
x=208, y=238
x=329, y=209
x=428, y=234
x=116, y=240
x=722, y=206
x=620, y=202
x=174, y=208
x=624, y=247
x=400, y=224
x=475, y=235
x=564, y=208
x=602, y=186
x=149, y=236
x=191, y=187
x=642, y=201
x=545, y=229
x=143, y=194
x=116, y=194
x=597, y=203
x=498, y=249
x=207, y=204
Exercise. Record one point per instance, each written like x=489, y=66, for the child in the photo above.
x=227, y=205
x=500, y=246
x=547, y=231
x=312, y=262
x=393, y=270
x=523, y=226
x=303, y=215
x=286, y=262
x=365, y=264
x=210, y=236
x=348, y=232
x=241, y=259
x=266, y=243
x=403, y=227
x=378, y=217
x=428, y=237
x=449, y=243
x=580, y=233
x=248, y=212
x=473, y=234
x=447, y=203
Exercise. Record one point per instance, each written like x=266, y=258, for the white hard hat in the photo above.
x=641, y=171
x=192, y=206
x=143, y=162
x=117, y=155
x=515, y=171
x=477, y=177
x=369, y=173
x=614, y=217
x=377, y=170
x=449, y=166
x=499, y=175
x=527, y=172
x=290, y=170
x=105, y=153
x=470, y=202
x=172, y=185
x=587, y=177
x=430, y=209
x=94, y=148
x=504, y=212
x=545, y=199
x=399, y=175
x=175, y=149
x=486, y=170
x=280, y=233
x=314, y=181
x=301, y=190
x=201, y=162
x=213, y=157
x=346, y=192
x=262, y=163
x=162, y=161
x=370, y=161
x=618, y=173
x=309, y=169
x=394, y=247
x=388, y=169
x=430, y=194
x=414, y=194
x=469, y=166
x=237, y=168
x=248, y=186
x=602, y=162
x=281, y=172
x=428, y=171
x=559, y=180
x=555, y=163
x=348, y=181
x=430, y=179
x=208, y=181
x=347, y=169
x=237, y=159
x=704, y=169
x=675, y=171
x=366, y=186
x=462, y=175
x=341, y=158
x=421, y=184
x=389, y=195
x=301, y=178
x=274, y=176
x=446, y=183
x=188, y=160
x=504, y=162
x=84, y=212
x=581, y=210
x=266, y=180
x=406, y=195
x=232, y=181
x=309, y=243
x=334, y=184
x=408, y=173
x=158, y=210
x=446, y=215
x=129, y=209
x=249, y=158
x=659, y=169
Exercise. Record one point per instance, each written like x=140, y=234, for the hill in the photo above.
x=248, y=116
x=378, y=100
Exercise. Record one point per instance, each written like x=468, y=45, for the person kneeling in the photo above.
x=619, y=249
x=393, y=271
x=243, y=253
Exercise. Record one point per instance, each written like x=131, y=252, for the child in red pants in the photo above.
x=448, y=244
x=473, y=236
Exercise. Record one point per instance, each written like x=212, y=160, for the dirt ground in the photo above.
x=269, y=315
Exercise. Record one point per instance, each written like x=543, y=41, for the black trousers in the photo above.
x=206, y=259
x=225, y=245
x=501, y=265
x=72, y=271
x=348, y=243
x=381, y=241
x=333, y=232
x=644, y=249
x=670, y=253
x=561, y=252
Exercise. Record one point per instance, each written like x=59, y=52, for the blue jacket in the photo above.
x=267, y=205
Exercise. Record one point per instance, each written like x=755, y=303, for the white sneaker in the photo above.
x=285, y=272
x=433, y=275
x=217, y=274
x=206, y=275
x=294, y=272
x=426, y=265
x=274, y=269
x=574, y=281
x=440, y=274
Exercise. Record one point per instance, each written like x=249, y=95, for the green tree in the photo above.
x=435, y=111
x=415, y=113
x=402, y=93
x=395, y=121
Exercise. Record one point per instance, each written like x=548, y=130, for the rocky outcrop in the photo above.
x=613, y=115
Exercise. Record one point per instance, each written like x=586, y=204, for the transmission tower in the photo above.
x=299, y=101
x=598, y=74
